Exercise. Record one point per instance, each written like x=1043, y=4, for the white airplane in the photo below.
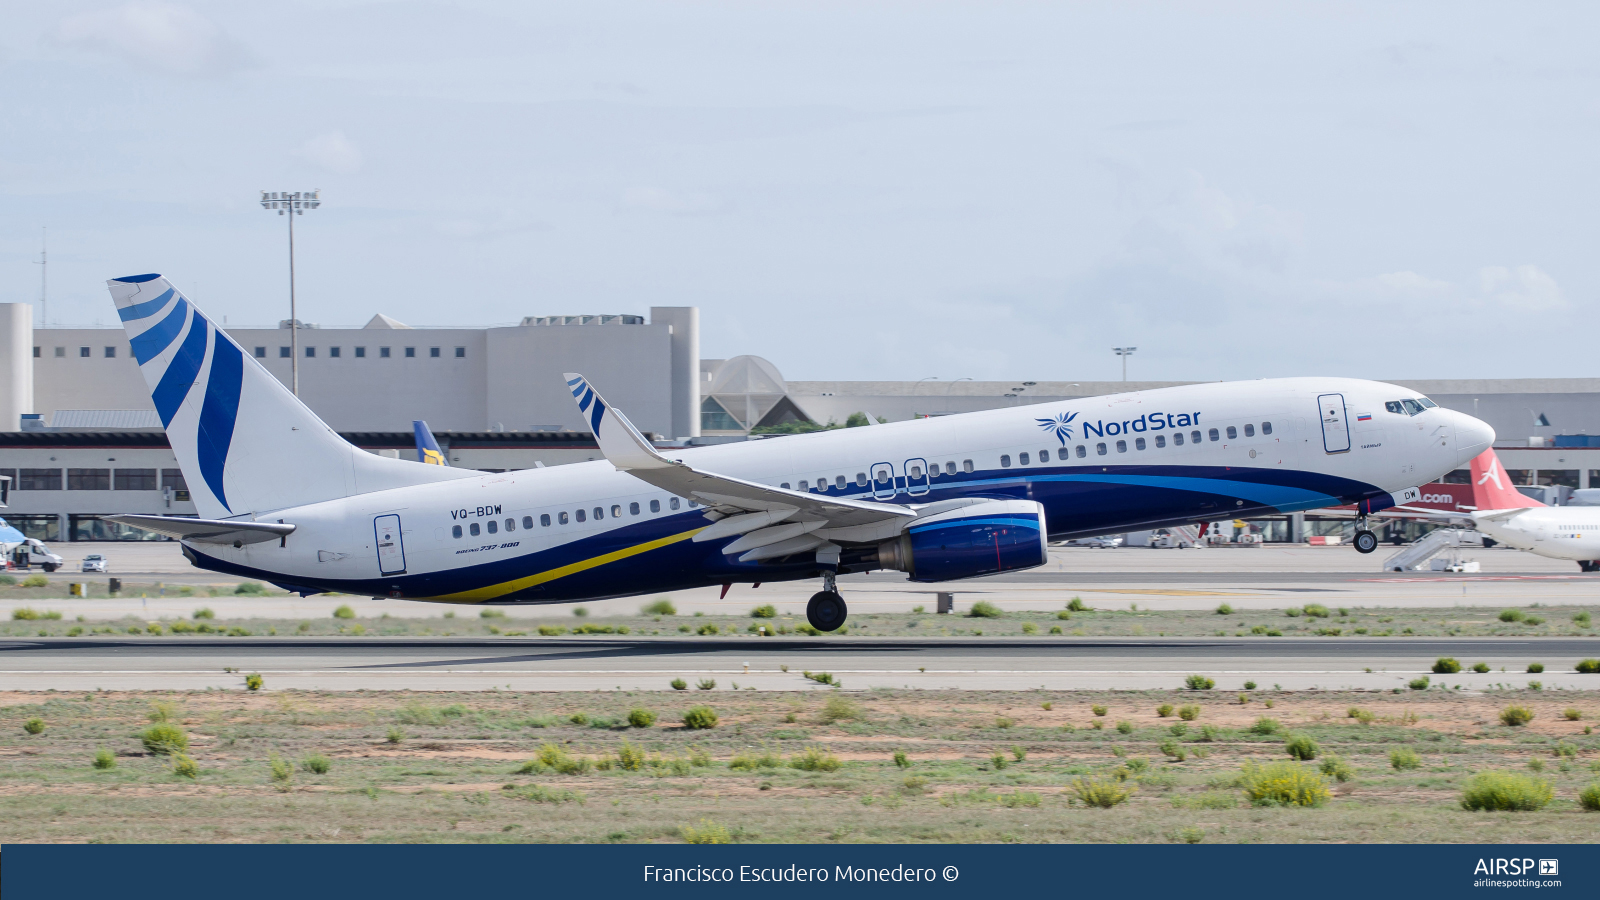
x=286, y=500
x=1517, y=520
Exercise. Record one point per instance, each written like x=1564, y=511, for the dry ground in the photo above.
x=444, y=767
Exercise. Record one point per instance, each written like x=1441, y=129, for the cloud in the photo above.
x=166, y=37
x=332, y=151
x=1524, y=288
x=678, y=203
x=1413, y=285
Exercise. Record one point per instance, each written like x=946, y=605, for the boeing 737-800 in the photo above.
x=284, y=499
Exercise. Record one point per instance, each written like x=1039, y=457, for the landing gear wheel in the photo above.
x=826, y=611
x=1586, y=565
x=1366, y=542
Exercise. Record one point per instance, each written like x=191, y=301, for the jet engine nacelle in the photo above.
x=994, y=536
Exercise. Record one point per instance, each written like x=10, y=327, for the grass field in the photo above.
x=388, y=767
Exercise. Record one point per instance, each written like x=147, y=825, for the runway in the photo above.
x=596, y=664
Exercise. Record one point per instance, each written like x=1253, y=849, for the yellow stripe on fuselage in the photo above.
x=478, y=595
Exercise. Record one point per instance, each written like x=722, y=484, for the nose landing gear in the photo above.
x=1365, y=540
x=826, y=611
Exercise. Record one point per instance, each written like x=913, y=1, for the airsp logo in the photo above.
x=1549, y=867
x=1516, y=867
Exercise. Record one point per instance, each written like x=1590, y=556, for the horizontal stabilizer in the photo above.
x=208, y=531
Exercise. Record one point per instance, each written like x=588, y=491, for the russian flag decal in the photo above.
x=1364, y=417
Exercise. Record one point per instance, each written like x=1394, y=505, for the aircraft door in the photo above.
x=916, y=477
x=391, y=547
x=883, y=486
x=1335, y=423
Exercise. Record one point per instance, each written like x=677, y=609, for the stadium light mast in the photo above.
x=1124, y=352
x=291, y=204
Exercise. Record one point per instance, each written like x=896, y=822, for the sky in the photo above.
x=855, y=191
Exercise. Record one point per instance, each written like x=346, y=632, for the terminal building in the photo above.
x=80, y=438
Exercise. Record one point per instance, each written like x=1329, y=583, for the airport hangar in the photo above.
x=81, y=440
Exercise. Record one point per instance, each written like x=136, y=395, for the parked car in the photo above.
x=1103, y=542
x=94, y=562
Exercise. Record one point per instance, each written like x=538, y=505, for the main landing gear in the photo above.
x=826, y=611
x=1365, y=540
x=1589, y=565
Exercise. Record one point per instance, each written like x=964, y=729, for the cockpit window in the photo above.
x=1395, y=407
x=1412, y=407
x=1409, y=407
x=1426, y=403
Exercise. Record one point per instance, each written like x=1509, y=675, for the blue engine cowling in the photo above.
x=982, y=539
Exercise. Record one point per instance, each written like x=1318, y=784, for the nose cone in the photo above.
x=1473, y=436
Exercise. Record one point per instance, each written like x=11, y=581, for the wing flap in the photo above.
x=208, y=531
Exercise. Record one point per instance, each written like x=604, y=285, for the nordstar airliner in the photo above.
x=283, y=498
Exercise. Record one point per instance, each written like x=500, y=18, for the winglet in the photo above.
x=621, y=443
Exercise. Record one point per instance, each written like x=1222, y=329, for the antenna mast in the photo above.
x=44, y=276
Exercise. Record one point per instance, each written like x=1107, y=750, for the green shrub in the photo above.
x=1589, y=666
x=1582, y=619
x=678, y=684
x=1029, y=628
x=1404, y=758
x=24, y=614
x=1125, y=727
x=753, y=761
x=1283, y=784
x=1265, y=725
x=1535, y=668
x=1589, y=797
x=551, y=630
x=253, y=681
x=1480, y=668
x=1316, y=610
x=1189, y=712
x=640, y=717
x=1098, y=709
x=662, y=607
x=1446, y=665
x=1249, y=685
x=282, y=773
x=1199, y=683
x=708, y=629
x=35, y=581
x=1077, y=605
x=203, y=612
x=815, y=759
x=1516, y=715
x=344, y=612
x=1418, y=684
x=183, y=766
x=1224, y=610
x=1104, y=793
x=1293, y=612
x=1337, y=769
x=706, y=684
x=7, y=580
x=580, y=611
x=105, y=759
x=1505, y=791
x=707, y=832
x=395, y=735
x=1174, y=750
x=1301, y=747
x=901, y=760
x=316, y=764
x=1063, y=616
x=700, y=717
x=999, y=761
x=579, y=718
x=983, y=609
x=164, y=739
x=1164, y=710
x=1179, y=729
x=1511, y=615
x=765, y=611
x=250, y=588
x=33, y=726
x=630, y=757
x=1533, y=620
x=1571, y=714
x=837, y=708
x=1018, y=752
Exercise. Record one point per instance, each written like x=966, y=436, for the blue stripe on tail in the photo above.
x=149, y=345
x=181, y=372
x=147, y=308
x=219, y=413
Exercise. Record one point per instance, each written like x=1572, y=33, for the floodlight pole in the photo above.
x=292, y=203
x=1124, y=352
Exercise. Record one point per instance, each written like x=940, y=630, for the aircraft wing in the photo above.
x=209, y=531
x=630, y=452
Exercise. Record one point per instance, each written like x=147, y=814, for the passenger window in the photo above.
x=672, y=503
x=455, y=531
x=1161, y=441
x=511, y=524
x=1214, y=436
x=655, y=506
x=599, y=513
x=493, y=526
x=805, y=485
x=1177, y=439
x=1122, y=446
x=580, y=516
x=950, y=468
x=1022, y=458
x=1249, y=431
x=616, y=512
x=1044, y=456
x=527, y=521
x=473, y=529
x=1005, y=461
x=1082, y=451
x=562, y=517
x=966, y=466
x=633, y=509
x=882, y=476
x=916, y=472
x=694, y=504
x=1266, y=427
x=785, y=485
x=838, y=482
x=1100, y=449
x=544, y=519
x=1138, y=443
x=1194, y=436
x=1232, y=433
x=861, y=479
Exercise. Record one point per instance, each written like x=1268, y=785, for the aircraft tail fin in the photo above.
x=245, y=443
x=1492, y=488
x=427, y=448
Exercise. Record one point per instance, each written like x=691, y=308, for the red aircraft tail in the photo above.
x=1492, y=489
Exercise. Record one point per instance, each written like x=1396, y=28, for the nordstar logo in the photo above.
x=1061, y=425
